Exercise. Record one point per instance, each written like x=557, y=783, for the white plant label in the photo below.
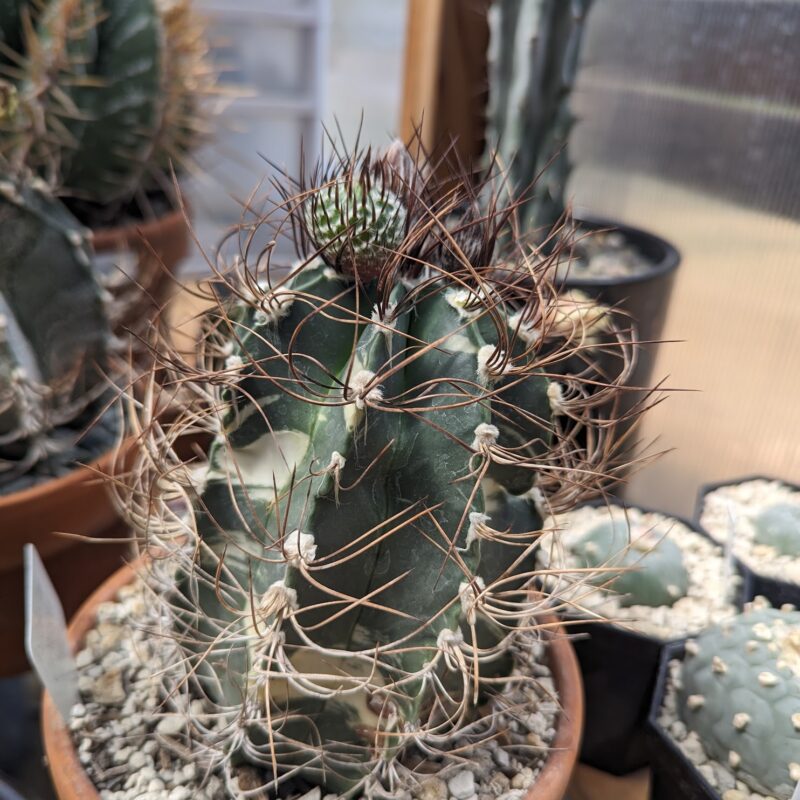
x=46, y=635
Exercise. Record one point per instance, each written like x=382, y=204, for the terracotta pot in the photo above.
x=72, y=783
x=149, y=253
x=76, y=503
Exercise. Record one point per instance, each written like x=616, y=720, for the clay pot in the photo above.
x=149, y=253
x=72, y=783
x=76, y=503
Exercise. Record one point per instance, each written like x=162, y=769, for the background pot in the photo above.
x=620, y=669
x=76, y=503
x=149, y=254
x=72, y=783
x=645, y=297
x=778, y=592
x=673, y=775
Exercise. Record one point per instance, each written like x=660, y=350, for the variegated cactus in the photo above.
x=389, y=423
x=106, y=94
x=53, y=333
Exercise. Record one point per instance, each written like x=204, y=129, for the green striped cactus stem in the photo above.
x=53, y=332
x=533, y=62
x=352, y=578
x=108, y=93
x=740, y=692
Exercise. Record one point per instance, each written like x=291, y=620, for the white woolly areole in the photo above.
x=274, y=306
x=555, y=394
x=469, y=597
x=577, y=314
x=486, y=373
x=459, y=299
x=387, y=319
x=527, y=332
x=234, y=362
x=278, y=599
x=358, y=386
x=337, y=462
x=476, y=521
x=299, y=548
x=486, y=435
x=449, y=641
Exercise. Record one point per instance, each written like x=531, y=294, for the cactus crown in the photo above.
x=352, y=577
x=53, y=337
x=108, y=94
x=654, y=573
x=740, y=691
x=778, y=526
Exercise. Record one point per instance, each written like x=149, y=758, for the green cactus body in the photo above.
x=654, y=573
x=55, y=332
x=778, y=526
x=740, y=692
x=355, y=579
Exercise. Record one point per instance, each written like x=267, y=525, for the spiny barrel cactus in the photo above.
x=354, y=575
x=53, y=333
x=654, y=573
x=778, y=526
x=740, y=691
x=534, y=56
x=106, y=93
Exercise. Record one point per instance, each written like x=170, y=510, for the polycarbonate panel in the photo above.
x=690, y=127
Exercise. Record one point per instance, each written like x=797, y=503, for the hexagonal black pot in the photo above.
x=644, y=297
x=620, y=669
x=776, y=591
x=673, y=775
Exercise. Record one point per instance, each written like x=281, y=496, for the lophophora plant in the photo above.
x=739, y=690
x=778, y=526
x=644, y=568
x=351, y=584
x=54, y=335
x=103, y=98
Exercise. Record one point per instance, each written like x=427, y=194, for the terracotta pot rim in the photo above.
x=107, y=236
x=72, y=782
x=80, y=471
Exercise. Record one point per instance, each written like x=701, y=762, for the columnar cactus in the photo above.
x=740, y=691
x=106, y=93
x=54, y=330
x=354, y=573
x=778, y=526
x=534, y=56
x=653, y=572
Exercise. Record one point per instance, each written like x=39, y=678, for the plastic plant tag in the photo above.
x=46, y=635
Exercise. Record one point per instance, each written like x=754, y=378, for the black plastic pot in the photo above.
x=673, y=775
x=778, y=592
x=645, y=298
x=620, y=669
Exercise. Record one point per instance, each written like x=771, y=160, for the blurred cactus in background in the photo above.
x=53, y=338
x=391, y=419
x=107, y=96
x=778, y=527
x=533, y=63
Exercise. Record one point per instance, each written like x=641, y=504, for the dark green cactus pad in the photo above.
x=779, y=527
x=56, y=332
x=740, y=692
x=654, y=574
